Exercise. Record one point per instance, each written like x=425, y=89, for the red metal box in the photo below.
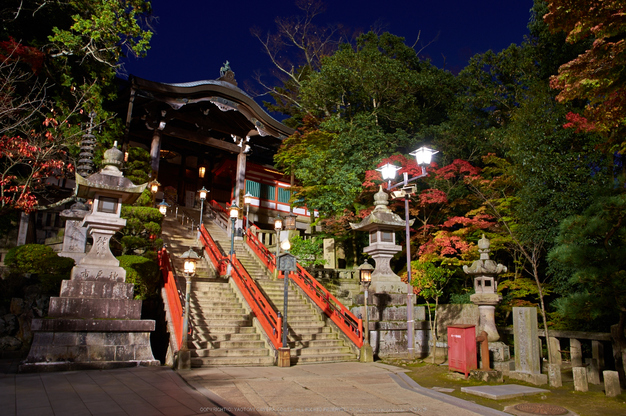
x=462, y=348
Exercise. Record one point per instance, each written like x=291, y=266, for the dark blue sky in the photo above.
x=195, y=37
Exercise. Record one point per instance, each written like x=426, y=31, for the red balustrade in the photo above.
x=349, y=324
x=173, y=297
x=261, y=308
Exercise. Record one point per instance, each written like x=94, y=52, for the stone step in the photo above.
x=212, y=345
x=208, y=317
x=320, y=351
x=216, y=309
x=230, y=352
x=333, y=342
x=222, y=329
x=197, y=362
x=324, y=358
x=218, y=323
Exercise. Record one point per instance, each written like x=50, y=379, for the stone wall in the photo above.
x=16, y=318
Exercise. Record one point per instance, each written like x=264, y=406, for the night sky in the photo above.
x=193, y=38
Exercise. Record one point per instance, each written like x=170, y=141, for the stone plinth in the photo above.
x=388, y=325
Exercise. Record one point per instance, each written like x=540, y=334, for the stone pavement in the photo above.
x=336, y=389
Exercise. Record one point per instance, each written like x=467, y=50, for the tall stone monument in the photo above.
x=75, y=236
x=527, y=347
x=95, y=322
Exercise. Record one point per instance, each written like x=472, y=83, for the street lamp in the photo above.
x=247, y=199
x=365, y=273
x=233, y=213
x=423, y=157
x=290, y=221
x=163, y=206
x=202, y=192
x=154, y=188
x=189, y=257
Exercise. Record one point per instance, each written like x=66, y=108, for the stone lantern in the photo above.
x=486, y=296
x=382, y=225
x=95, y=322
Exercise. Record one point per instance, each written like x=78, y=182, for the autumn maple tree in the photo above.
x=595, y=76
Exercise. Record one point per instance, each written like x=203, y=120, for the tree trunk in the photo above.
x=543, y=312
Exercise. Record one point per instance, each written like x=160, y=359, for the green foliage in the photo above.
x=308, y=251
x=46, y=267
x=37, y=259
x=138, y=167
x=143, y=273
x=143, y=226
x=461, y=298
x=429, y=279
x=365, y=102
x=74, y=49
x=591, y=249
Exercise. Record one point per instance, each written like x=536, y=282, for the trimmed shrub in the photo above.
x=143, y=273
x=37, y=259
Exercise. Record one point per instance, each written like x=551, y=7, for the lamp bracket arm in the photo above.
x=406, y=181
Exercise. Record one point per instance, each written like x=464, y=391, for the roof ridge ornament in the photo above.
x=227, y=74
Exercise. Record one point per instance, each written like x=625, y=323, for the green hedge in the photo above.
x=143, y=273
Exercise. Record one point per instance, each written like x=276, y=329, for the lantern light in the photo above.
x=285, y=245
x=234, y=211
x=388, y=171
x=154, y=186
x=365, y=272
x=163, y=206
x=189, y=266
x=423, y=155
x=278, y=223
x=203, y=192
x=201, y=172
x=247, y=198
x=290, y=221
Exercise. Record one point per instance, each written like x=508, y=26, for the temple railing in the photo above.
x=173, y=293
x=268, y=318
x=219, y=215
x=345, y=320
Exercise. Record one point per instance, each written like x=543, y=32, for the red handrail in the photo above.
x=173, y=298
x=261, y=308
x=349, y=324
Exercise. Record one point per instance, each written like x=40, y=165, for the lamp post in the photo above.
x=247, y=199
x=233, y=214
x=285, y=263
x=154, y=188
x=365, y=274
x=423, y=156
x=202, y=193
x=163, y=206
x=190, y=257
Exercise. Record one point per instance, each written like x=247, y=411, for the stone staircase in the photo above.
x=311, y=338
x=222, y=330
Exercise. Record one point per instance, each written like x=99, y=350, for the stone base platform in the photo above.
x=62, y=344
x=532, y=378
x=78, y=366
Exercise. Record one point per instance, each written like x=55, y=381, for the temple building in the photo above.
x=209, y=134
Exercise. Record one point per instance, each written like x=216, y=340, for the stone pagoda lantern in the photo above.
x=486, y=297
x=95, y=322
x=382, y=225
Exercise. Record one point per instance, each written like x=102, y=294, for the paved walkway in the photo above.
x=336, y=389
